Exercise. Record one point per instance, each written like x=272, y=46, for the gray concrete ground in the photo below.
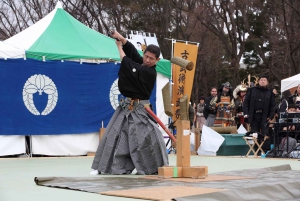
x=17, y=175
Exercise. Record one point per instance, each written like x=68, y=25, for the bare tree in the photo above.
x=220, y=26
x=291, y=16
x=274, y=32
x=16, y=15
x=222, y=19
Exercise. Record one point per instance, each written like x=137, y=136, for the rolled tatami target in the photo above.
x=225, y=130
x=167, y=99
x=182, y=63
x=184, y=108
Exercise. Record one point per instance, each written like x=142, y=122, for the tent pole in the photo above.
x=30, y=140
x=172, y=85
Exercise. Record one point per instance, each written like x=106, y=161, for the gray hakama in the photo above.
x=131, y=140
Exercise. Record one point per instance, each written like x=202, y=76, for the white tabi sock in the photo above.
x=94, y=172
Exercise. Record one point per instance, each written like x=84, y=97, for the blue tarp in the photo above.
x=83, y=96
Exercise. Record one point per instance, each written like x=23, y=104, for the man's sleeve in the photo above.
x=205, y=112
x=129, y=63
x=291, y=100
x=272, y=106
x=206, y=104
x=247, y=102
x=131, y=52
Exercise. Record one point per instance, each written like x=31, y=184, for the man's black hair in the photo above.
x=286, y=94
x=153, y=49
x=264, y=76
x=213, y=87
x=201, y=98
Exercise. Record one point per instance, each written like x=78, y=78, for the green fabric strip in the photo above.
x=175, y=172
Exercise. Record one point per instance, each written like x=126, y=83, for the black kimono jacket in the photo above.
x=135, y=80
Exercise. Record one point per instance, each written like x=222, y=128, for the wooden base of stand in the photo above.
x=170, y=172
x=196, y=172
x=182, y=168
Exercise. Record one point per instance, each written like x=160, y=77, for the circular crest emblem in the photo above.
x=114, y=94
x=39, y=84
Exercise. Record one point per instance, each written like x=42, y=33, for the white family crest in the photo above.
x=39, y=84
x=114, y=94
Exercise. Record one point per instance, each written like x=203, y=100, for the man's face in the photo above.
x=263, y=82
x=213, y=92
x=149, y=59
x=225, y=90
x=243, y=93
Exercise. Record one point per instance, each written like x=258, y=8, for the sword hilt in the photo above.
x=111, y=32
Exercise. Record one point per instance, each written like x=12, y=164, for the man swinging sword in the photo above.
x=132, y=140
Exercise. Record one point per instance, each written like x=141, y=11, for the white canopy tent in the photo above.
x=79, y=144
x=69, y=144
x=9, y=51
x=33, y=32
x=15, y=144
x=290, y=82
x=12, y=145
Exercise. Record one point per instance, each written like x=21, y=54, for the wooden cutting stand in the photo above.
x=183, y=167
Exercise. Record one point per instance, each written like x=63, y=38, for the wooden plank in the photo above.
x=162, y=192
x=197, y=172
x=170, y=172
x=207, y=178
x=205, y=168
x=183, y=143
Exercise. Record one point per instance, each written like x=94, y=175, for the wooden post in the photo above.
x=101, y=132
x=183, y=148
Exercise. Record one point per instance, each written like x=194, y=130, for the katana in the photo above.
x=147, y=108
